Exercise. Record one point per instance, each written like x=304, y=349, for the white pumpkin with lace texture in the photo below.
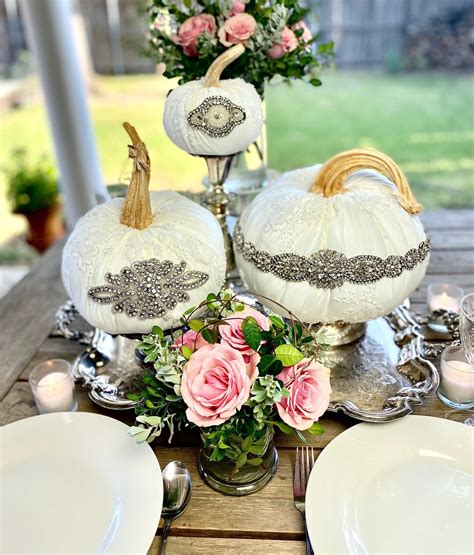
x=334, y=243
x=210, y=117
x=132, y=263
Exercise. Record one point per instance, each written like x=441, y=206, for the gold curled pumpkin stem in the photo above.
x=213, y=74
x=332, y=175
x=136, y=210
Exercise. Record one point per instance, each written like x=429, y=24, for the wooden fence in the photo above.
x=366, y=32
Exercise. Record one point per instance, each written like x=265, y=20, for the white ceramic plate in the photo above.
x=76, y=483
x=402, y=487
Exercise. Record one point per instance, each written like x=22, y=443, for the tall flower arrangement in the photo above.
x=234, y=373
x=185, y=37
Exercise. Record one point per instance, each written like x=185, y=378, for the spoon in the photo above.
x=176, y=495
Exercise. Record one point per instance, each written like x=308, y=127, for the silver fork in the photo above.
x=303, y=464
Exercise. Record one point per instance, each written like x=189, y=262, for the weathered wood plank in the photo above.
x=453, y=239
x=26, y=316
x=448, y=219
x=449, y=262
x=228, y=546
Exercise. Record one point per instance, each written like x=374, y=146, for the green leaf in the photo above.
x=255, y=461
x=133, y=396
x=316, y=429
x=239, y=308
x=241, y=460
x=315, y=82
x=156, y=330
x=209, y=335
x=246, y=443
x=277, y=322
x=257, y=449
x=288, y=355
x=284, y=427
x=189, y=311
x=196, y=325
x=187, y=352
x=252, y=332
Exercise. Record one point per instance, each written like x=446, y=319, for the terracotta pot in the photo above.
x=45, y=227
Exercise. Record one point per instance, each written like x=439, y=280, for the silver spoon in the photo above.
x=176, y=495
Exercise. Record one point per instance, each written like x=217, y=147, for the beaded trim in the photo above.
x=148, y=288
x=327, y=269
x=216, y=116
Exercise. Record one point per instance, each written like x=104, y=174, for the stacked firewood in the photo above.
x=446, y=41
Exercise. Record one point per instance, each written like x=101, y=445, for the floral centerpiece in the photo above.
x=236, y=373
x=185, y=37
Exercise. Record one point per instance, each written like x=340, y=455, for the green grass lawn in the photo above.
x=424, y=121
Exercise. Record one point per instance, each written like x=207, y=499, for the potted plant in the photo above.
x=33, y=191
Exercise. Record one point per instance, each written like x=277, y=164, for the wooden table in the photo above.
x=266, y=522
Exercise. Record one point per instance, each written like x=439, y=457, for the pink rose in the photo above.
x=237, y=29
x=233, y=336
x=215, y=384
x=191, y=339
x=306, y=36
x=238, y=7
x=288, y=43
x=308, y=383
x=191, y=30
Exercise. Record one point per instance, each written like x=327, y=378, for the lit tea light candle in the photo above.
x=444, y=296
x=444, y=301
x=457, y=379
x=53, y=387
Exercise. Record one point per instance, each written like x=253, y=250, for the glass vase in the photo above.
x=227, y=477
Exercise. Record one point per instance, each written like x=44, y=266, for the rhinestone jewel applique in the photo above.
x=216, y=116
x=148, y=288
x=327, y=269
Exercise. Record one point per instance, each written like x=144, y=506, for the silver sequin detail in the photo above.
x=327, y=269
x=216, y=116
x=148, y=288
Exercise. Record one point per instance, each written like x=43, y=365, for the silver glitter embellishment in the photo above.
x=216, y=116
x=148, y=288
x=327, y=269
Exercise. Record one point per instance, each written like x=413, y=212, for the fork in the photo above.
x=303, y=464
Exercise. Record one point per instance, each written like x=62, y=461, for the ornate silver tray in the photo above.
x=376, y=379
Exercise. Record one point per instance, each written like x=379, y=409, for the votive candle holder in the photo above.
x=52, y=384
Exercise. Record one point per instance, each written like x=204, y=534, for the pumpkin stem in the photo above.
x=331, y=177
x=136, y=210
x=213, y=74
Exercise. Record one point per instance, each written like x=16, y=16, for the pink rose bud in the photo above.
x=215, y=384
x=191, y=29
x=308, y=383
x=237, y=29
x=191, y=339
x=238, y=7
x=288, y=42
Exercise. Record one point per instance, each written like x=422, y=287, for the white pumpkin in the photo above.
x=332, y=249
x=210, y=117
x=132, y=263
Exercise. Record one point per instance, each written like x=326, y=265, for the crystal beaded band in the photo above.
x=216, y=116
x=327, y=269
x=148, y=288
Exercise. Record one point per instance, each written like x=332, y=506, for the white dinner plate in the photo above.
x=76, y=483
x=402, y=487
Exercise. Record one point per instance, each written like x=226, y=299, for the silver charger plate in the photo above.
x=378, y=378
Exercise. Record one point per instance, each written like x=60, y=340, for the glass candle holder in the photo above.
x=444, y=296
x=466, y=326
x=52, y=385
x=456, y=387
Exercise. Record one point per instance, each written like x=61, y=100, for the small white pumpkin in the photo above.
x=333, y=248
x=135, y=262
x=209, y=117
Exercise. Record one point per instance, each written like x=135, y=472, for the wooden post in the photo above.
x=50, y=35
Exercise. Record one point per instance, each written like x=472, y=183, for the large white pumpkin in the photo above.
x=131, y=263
x=334, y=243
x=210, y=117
